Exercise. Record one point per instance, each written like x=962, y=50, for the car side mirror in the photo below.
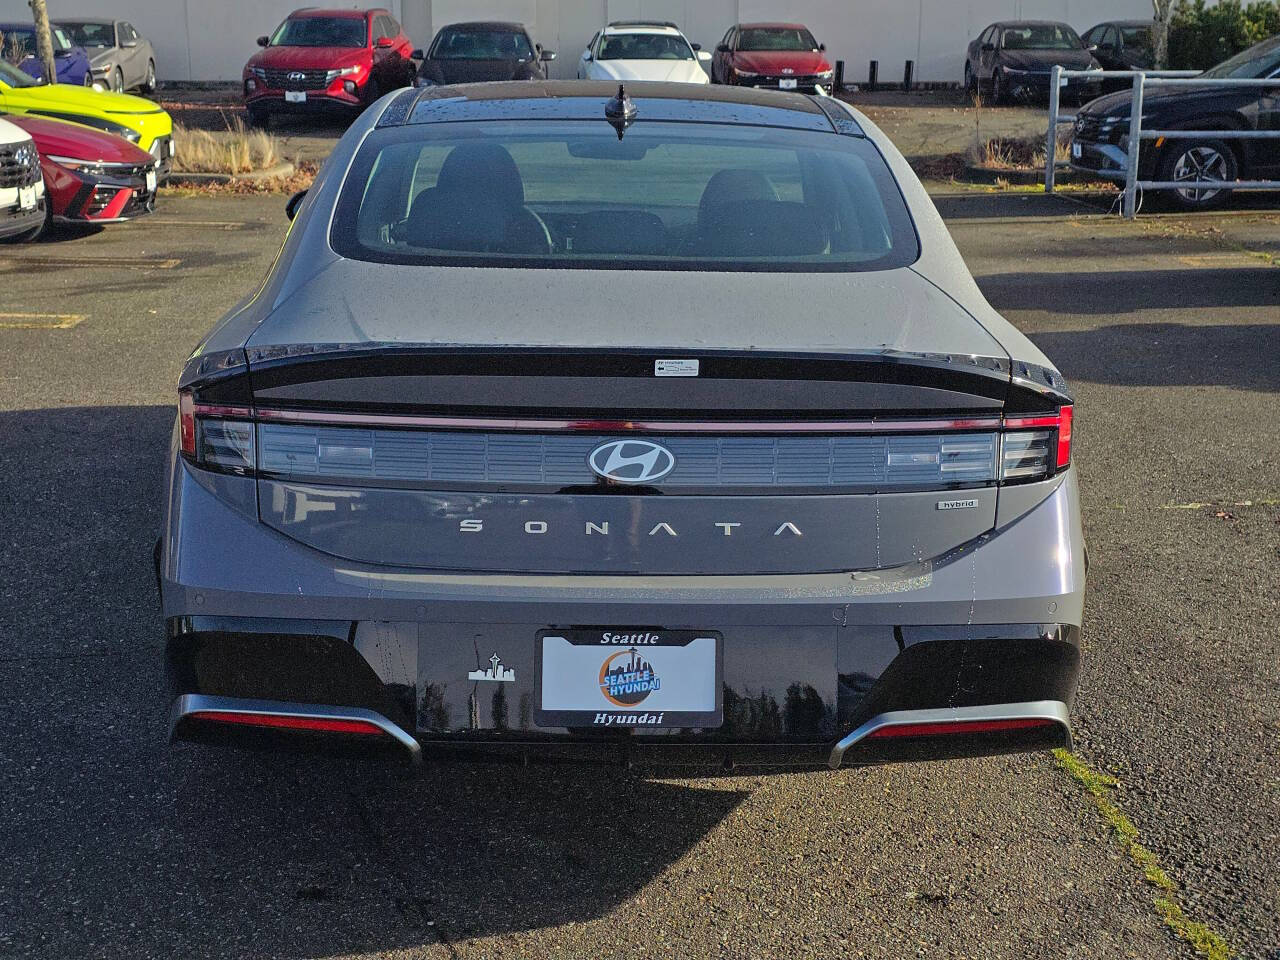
x=129, y=44
x=696, y=47
x=293, y=203
x=418, y=55
x=547, y=55
x=822, y=48
x=586, y=56
x=988, y=47
x=722, y=48
x=383, y=43
x=264, y=41
x=1092, y=48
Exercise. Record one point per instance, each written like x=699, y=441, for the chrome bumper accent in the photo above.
x=1054, y=710
x=190, y=703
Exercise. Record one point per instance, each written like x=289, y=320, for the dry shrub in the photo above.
x=1018, y=153
x=235, y=150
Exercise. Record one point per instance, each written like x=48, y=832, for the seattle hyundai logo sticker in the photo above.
x=627, y=679
x=631, y=461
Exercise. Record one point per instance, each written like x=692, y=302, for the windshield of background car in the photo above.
x=1136, y=37
x=777, y=38
x=92, y=34
x=669, y=196
x=1257, y=63
x=21, y=43
x=482, y=45
x=13, y=77
x=1040, y=36
x=321, y=32
x=645, y=46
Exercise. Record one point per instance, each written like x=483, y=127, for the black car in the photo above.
x=1101, y=136
x=1014, y=60
x=482, y=51
x=1121, y=45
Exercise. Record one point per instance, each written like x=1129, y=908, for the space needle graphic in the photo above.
x=496, y=673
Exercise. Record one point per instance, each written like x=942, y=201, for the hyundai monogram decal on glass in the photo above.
x=631, y=461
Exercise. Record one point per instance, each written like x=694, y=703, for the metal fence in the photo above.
x=1142, y=79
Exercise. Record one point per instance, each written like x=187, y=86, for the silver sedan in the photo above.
x=122, y=58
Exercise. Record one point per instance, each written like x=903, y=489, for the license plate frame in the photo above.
x=27, y=198
x=295, y=96
x=1077, y=151
x=571, y=666
x=787, y=83
x=151, y=181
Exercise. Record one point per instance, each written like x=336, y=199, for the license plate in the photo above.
x=27, y=198
x=629, y=677
x=1062, y=81
x=787, y=84
x=151, y=181
x=295, y=96
x=1076, y=151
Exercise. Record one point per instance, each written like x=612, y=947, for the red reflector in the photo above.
x=960, y=727
x=187, y=422
x=280, y=721
x=1065, y=415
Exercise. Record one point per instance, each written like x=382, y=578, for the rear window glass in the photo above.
x=669, y=196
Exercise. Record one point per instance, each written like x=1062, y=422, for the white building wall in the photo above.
x=211, y=39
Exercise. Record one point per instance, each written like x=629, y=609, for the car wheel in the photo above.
x=971, y=84
x=149, y=84
x=998, y=94
x=88, y=79
x=1198, y=160
x=117, y=80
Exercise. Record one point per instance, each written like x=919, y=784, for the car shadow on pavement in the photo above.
x=1109, y=293
x=119, y=844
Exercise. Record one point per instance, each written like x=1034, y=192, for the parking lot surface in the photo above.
x=115, y=844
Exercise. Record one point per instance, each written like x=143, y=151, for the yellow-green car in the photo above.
x=137, y=120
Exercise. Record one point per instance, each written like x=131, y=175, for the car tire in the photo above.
x=998, y=93
x=88, y=79
x=970, y=83
x=149, y=84
x=117, y=80
x=1197, y=160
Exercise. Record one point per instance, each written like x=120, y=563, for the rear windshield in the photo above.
x=777, y=38
x=669, y=196
x=321, y=32
x=481, y=45
x=645, y=46
x=1040, y=36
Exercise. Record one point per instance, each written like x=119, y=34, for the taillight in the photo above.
x=1036, y=447
x=217, y=437
x=960, y=727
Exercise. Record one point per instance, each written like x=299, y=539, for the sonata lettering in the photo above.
x=601, y=529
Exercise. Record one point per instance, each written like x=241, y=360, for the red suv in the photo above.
x=327, y=61
x=777, y=56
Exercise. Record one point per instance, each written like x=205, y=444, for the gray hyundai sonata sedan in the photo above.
x=663, y=423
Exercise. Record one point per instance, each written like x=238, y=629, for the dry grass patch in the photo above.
x=235, y=150
x=1017, y=153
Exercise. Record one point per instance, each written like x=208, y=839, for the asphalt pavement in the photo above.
x=116, y=844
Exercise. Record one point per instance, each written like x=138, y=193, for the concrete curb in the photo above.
x=1020, y=178
x=199, y=179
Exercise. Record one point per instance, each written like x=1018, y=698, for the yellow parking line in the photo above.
x=41, y=321
x=155, y=263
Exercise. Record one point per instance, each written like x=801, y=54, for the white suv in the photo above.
x=643, y=50
x=21, y=186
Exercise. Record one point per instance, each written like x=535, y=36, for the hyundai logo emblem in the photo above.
x=631, y=461
x=788, y=70
x=297, y=75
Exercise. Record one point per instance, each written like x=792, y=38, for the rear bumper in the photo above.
x=807, y=661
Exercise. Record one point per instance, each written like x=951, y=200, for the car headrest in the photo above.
x=482, y=170
x=734, y=185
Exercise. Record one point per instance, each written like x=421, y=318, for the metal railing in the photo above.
x=1141, y=80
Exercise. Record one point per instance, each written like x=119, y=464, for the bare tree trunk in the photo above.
x=44, y=42
x=1163, y=10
